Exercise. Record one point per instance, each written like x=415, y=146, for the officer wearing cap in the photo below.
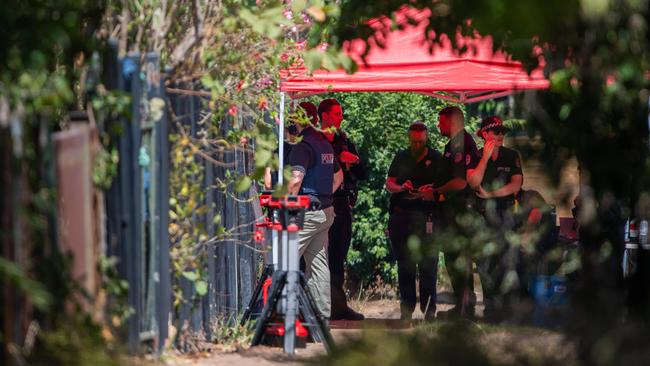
x=458, y=198
x=315, y=172
x=411, y=177
x=340, y=234
x=496, y=176
x=291, y=135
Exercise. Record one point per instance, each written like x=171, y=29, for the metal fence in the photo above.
x=137, y=202
x=137, y=208
x=231, y=264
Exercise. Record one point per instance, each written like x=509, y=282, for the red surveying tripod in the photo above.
x=266, y=235
x=289, y=304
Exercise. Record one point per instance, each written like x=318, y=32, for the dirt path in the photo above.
x=501, y=344
x=380, y=314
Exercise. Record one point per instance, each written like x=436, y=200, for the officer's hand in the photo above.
x=428, y=195
x=407, y=186
x=426, y=188
x=415, y=195
x=482, y=193
x=488, y=148
x=348, y=157
x=426, y=192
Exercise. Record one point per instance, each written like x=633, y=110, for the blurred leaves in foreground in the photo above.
x=455, y=343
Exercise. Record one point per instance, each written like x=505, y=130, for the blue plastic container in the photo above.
x=550, y=295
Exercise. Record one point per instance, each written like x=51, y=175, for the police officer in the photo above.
x=315, y=172
x=458, y=197
x=291, y=135
x=340, y=234
x=411, y=176
x=496, y=176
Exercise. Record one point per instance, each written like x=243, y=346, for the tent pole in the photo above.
x=281, y=141
x=442, y=96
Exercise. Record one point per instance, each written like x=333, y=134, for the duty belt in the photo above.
x=316, y=206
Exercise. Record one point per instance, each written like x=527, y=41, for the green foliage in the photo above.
x=446, y=344
x=105, y=168
x=303, y=20
x=118, y=290
x=455, y=343
x=186, y=204
x=231, y=334
x=32, y=71
x=39, y=43
x=111, y=104
x=35, y=34
x=77, y=341
x=377, y=124
x=35, y=291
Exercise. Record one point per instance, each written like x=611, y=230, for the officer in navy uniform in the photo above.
x=458, y=201
x=496, y=176
x=291, y=134
x=410, y=181
x=340, y=234
x=315, y=172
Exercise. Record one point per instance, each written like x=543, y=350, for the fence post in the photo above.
x=210, y=300
x=247, y=275
x=165, y=295
x=130, y=207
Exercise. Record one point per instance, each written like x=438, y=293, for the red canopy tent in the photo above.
x=406, y=64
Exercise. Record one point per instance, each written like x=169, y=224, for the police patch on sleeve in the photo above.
x=468, y=158
x=327, y=158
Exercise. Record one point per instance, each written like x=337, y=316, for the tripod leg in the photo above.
x=314, y=319
x=310, y=318
x=274, y=298
x=291, y=311
x=267, y=272
x=291, y=290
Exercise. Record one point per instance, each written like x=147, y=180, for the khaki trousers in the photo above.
x=313, y=242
